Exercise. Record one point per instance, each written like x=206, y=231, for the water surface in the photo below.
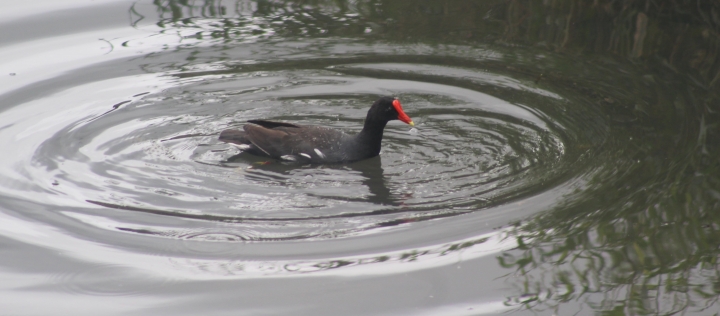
x=547, y=174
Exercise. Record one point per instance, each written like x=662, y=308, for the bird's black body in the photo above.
x=315, y=144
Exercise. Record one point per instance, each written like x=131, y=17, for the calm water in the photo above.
x=565, y=160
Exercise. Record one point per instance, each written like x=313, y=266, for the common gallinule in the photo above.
x=315, y=144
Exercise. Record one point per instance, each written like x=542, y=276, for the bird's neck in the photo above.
x=371, y=135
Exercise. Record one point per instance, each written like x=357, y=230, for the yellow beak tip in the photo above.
x=411, y=123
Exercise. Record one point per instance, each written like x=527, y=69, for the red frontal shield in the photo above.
x=401, y=114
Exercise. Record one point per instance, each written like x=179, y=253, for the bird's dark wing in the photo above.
x=273, y=142
x=234, y=136
x=317, y=144
x=272, y=124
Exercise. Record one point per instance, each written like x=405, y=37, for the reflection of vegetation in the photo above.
x=246, y=20
x=653, y=251
x=682, y=33
x=643, y=235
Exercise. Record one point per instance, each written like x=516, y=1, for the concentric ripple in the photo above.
x=157, y=154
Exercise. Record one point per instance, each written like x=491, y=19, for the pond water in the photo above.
x=564, y=160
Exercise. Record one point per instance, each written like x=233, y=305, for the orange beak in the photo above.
x=401, y=114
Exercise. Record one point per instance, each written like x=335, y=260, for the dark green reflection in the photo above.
x=652, y=249
x=642, y=233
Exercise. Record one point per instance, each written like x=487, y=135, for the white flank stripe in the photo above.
x=242, y=146
x=288, y=157
x=305, y=155
x=319, y=153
